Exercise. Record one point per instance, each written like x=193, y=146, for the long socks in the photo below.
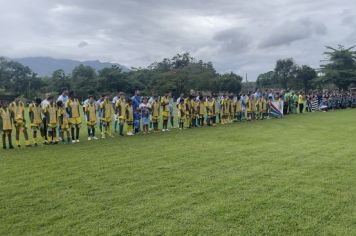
x=91, y=132
x=155, y=126
x=165, y=124
x=115, y=125
x=4, y=140
x=72, y=132
x=121, y=129
x=172, y=121
x=77, y=133
x=9, y=138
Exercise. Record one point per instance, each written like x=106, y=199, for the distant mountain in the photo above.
x=44, y=66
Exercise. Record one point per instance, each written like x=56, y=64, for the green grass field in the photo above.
x=292, y=176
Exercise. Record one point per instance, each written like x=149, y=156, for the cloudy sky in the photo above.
x=244, y=36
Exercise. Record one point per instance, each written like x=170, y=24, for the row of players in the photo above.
x=50, y=117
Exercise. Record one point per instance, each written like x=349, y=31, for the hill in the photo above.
x=44, y=66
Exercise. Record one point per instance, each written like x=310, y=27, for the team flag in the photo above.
x=277, y=109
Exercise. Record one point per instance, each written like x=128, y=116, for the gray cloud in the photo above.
x=233, y=40
x=83, y=44
x=237, y=35
x=291, y=31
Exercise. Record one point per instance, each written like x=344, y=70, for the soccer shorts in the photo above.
x=155, y=119
x=106, y=120
x=36, y=126
x=65, y=126
x=20, y=124
x=165, y=115
x=52, y=126
x=75, y=121
x=91, y=123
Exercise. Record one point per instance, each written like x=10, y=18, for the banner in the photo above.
x=277, y=109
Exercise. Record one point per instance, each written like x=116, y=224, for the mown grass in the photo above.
x=292, y=176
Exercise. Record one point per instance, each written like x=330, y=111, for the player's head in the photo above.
x=4, y=104
x=60, y=103
x=64, y=91
x=50, y=98
x=71, y=94
x=91, y=99
x=38, y=101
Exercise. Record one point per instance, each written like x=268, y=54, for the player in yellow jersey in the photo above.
x=120, y=110
x=165, y=111
x=6, y=125
x=187, y=112
x=90, y=113
x=216, y=110
x=224, y=110
x=194, y=111
x=75, y=121
x=201, y=108
x=63, y=121
x=181, y=114
x=209, y=110
x=251, y=108
x=238, y=108
x=51, y=113
x=35, y=114
x=155, y=109
x=258, y=108
x=17, y=109
x=230, y=108
x=262, y=107
x=129, y=117
x=107, y=114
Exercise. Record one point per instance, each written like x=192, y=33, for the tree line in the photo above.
x=338, y=70
x=178, y=74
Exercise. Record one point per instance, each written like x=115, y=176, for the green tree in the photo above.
x=230, y=83
x=181, y=60
x=341, y=66
x=305, y=75
x=59, y=80
x=266, y=80
x=285, y=72
x=15, y=78
x=112, y=80
x=84, y=80
x=179, y=75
